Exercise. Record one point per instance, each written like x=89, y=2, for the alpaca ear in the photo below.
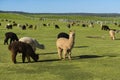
x=71, y=30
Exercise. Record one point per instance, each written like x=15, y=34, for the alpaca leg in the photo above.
x=60, y=53
x=34, y=48
x=65, y=54
x=69, y=55
x=14, y=57
x=23, y=57
x=28, y=58
x=6, y=41
x=113, y=37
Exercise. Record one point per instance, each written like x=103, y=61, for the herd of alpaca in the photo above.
x=27, y=45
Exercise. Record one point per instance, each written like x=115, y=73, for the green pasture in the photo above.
x=94, y=56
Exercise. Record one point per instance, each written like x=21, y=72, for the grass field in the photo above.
x=95, y=58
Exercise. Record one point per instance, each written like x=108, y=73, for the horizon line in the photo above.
x=60, y=12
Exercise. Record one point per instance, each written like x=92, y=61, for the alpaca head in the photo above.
x=36, y=57
x=72, y=34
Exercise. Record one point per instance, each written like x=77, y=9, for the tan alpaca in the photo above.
x=112, y=34
x=65, y=45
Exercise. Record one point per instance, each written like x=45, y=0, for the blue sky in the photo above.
x=61, y=6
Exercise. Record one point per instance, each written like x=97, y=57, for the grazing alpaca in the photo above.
x=105, y=27
x=23, y=27
x=33, y=42
x=9, y=26
x=23, y=48
x=57, y=27
x=112, y=34
x=10, y=35
x=65, y=45
x=84, y=25
x=63, y=35
x=68, y=25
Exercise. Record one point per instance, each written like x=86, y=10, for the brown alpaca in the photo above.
x=112, y=34
x=65, y=45
x=25, y=49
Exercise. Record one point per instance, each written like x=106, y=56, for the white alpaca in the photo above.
x=33, y=42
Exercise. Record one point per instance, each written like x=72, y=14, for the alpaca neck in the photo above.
x=71, y=41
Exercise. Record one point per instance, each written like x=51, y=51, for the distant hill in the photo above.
x=82, y=14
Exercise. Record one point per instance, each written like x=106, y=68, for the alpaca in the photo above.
x=10, y=35
x=112, y=34
x=23, y=27
x=9, y=26
x=57, y=27
x=104, y=27
x=63, y=35
x=25, y=49
x=33, y=42
x=68, y=26
x=84, y=25
x=65, y=45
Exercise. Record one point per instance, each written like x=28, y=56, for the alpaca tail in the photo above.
x=38, y=45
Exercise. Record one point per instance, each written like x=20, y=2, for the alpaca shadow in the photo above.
x=117, y=39
x=96, y=37
x=115, y=55
x=25, y=62
x=81, y=46
x=90, y=56
x=48, y=53
x=49, y=60
x=86, y=57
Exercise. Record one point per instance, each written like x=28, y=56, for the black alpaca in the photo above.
x=68, y=25
x=23, y=27
x=63, y=35
x=10, y=35
x=9, y=26
x=25, y=49
x=105, y=27
x=57, y=27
